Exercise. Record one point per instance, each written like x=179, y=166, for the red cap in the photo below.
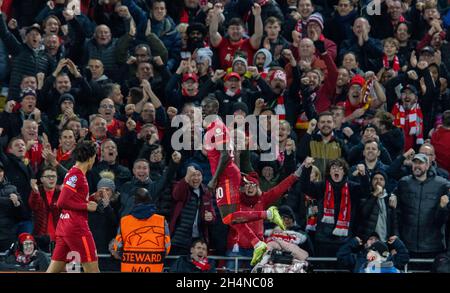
x=24, y=237
x=188, y=76
x=232, y=74
x=357, y=79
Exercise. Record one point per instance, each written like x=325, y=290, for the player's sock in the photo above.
x=258, y=252
x=274, y=216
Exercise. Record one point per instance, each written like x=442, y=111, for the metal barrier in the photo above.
x=331, y=262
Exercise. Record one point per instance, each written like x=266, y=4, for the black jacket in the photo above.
x=18, y=175
x=9, y=215
x=25, y=61
x=420, y=217
x=184, y=265
x=121, y=174
x=317, y=190
x=155, y=189
x=368, y=217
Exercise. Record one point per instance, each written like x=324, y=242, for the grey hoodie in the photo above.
x=268, y=57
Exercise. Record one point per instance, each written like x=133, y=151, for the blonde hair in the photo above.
x=316, y=171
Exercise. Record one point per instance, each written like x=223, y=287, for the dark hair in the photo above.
x=47, y=168
x=141, y=160
x=337, y=162
x=408, y=26
x=272, y=20
x=325, y=113
x=136, y=95
x=371, y=140
x=84, y=151
x=142, y=195
x=198, y=240
x=446, y=118
x=12, y=140
x=236, y=21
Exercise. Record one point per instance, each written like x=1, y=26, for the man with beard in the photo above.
x=408, y=116
x=323, y=146
x=422, y=209
x=196, y=33
x=337, y=199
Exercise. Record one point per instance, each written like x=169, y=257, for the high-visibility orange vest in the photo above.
x=144, y=244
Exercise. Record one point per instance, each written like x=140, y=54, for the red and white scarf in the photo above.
x=280, y=109
x=343, y=222
x=311, y=213
x=411, y=121
x=395, y=65
x=203, y=264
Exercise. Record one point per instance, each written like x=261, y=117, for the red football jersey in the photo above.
x=73, y=201
x=227, y=50
x=218, y=136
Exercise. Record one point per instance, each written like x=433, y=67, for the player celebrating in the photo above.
x=226, y=178
x=73, y=236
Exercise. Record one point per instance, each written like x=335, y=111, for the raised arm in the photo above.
x=255, y=39
x=214, y=36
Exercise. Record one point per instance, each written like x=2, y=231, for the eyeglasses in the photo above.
x=107, y=106
x=49, y=176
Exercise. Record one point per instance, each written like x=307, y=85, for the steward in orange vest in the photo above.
x=143, y=237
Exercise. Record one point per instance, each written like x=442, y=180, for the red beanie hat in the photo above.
x=26, y=236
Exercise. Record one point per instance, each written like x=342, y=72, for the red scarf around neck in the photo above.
x=343, y=222
x=203, y=265
x=395, y=66
x=61, y=156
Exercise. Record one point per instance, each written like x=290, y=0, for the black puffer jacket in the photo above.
x=25, y=61
x=420, y=217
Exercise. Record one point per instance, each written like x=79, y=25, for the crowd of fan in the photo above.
x=362, y=93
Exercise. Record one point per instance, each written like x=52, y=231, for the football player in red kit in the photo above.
x=226, y=180
x=73, y=236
